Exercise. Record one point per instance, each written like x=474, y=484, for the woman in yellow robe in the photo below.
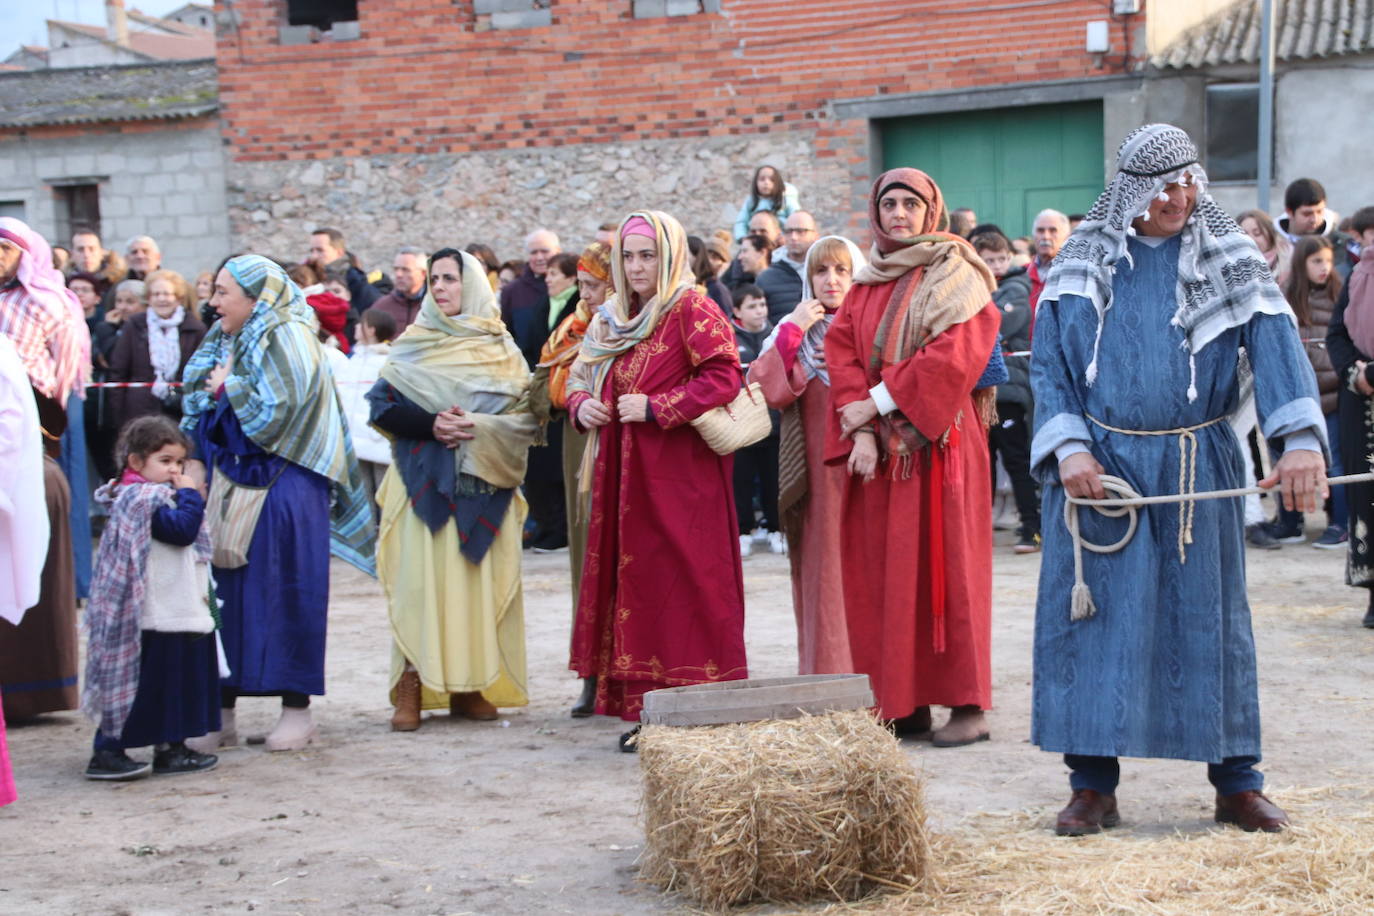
x=453, y=398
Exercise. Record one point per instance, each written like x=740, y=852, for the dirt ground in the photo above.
x=537, y=813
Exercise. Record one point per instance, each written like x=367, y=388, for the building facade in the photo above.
x=449, y=122
x=128, y=150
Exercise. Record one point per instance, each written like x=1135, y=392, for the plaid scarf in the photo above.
x=284, y=396
x=114, y=612
x=1223, y=280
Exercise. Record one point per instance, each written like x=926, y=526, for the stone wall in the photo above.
x=165, y=180
x=496, y=197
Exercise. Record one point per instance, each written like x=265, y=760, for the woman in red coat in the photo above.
x=662, y=596
x=904, y=355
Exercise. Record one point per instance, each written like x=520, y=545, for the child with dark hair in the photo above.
x=152, y=666
x=767, y=191
x=756, y=466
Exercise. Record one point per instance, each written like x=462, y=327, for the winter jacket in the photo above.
x=400, y=308
x=1012, y=298
x=750, y=344
x=355, y=379
x=1328, y=382
x=525, y=311
x=782, y=287
x=131, y=362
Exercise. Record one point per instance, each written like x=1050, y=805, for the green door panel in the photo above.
x=1006, y=163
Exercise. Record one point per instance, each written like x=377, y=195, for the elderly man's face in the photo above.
x=540, y=247
x=408, y=273
x=144, y=257
x=9, y=260
x=1169, y=216
x=1049, y=234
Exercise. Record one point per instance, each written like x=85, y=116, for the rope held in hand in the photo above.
x=1125, y=503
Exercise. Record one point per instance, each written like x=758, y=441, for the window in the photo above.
x=311, y=21
x=511, y=14
x=78, y=204
x=12, y=208
x=322, y=14
x=1233, y=131
x=650, y=9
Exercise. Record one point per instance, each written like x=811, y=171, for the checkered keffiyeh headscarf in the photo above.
x=1223, y=280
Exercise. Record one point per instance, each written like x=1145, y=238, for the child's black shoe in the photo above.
x=116, y=766
x=178, y=758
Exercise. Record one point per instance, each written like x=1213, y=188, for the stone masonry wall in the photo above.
x=496, y=197
x=164, y=179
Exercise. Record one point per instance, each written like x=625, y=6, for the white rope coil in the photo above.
x=1125, y=503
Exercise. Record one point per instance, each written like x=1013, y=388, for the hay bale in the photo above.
x=784, y=811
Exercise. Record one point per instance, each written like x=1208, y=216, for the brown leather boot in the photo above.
x=1250, y=811
x=406, y=718
x=472, y=705
x=1088, y=811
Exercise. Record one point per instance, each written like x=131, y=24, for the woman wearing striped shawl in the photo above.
x=261, y=403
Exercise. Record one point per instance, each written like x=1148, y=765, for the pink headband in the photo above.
x=638, y=225
x=15, y=238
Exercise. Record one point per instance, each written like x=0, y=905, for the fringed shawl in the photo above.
x=940, y=282
x=284, y=396
x=45, y=321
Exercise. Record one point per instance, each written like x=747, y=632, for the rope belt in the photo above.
x=1187, y=472
x=1127, y=500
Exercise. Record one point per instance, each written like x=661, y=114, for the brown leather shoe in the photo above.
x=1088, y=811
x=406, y=718
x=1250, y=811
x=472, y=705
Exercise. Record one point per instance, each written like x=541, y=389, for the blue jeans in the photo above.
x=1101, y=774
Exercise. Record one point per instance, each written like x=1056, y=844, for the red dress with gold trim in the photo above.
x=662, y=597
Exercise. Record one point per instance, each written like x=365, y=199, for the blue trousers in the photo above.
x=1101, y=774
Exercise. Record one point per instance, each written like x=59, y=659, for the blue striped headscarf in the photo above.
x=283, y=394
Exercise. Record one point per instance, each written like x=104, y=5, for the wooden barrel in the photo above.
x=753, y=700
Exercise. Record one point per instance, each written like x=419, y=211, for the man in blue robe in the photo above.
x=1152, y=314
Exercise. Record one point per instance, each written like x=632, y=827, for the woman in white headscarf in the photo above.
x=454, y=399
x=793, y=374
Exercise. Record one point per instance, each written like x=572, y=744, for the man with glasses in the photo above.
x=782, y=283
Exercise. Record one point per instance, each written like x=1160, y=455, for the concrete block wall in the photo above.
x=164, y=179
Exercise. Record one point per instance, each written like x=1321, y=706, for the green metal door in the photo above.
x=1007, y=164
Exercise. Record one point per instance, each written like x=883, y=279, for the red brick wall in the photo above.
x=421, y=80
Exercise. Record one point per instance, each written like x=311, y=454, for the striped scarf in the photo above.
x=284, y=396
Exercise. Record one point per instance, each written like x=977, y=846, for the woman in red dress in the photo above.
x=662, y=596
x=904, y=355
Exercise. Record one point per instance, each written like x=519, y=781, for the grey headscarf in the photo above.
x=1223, y=280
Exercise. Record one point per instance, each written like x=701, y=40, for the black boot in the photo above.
x=586, y=704
x=1369, y=614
